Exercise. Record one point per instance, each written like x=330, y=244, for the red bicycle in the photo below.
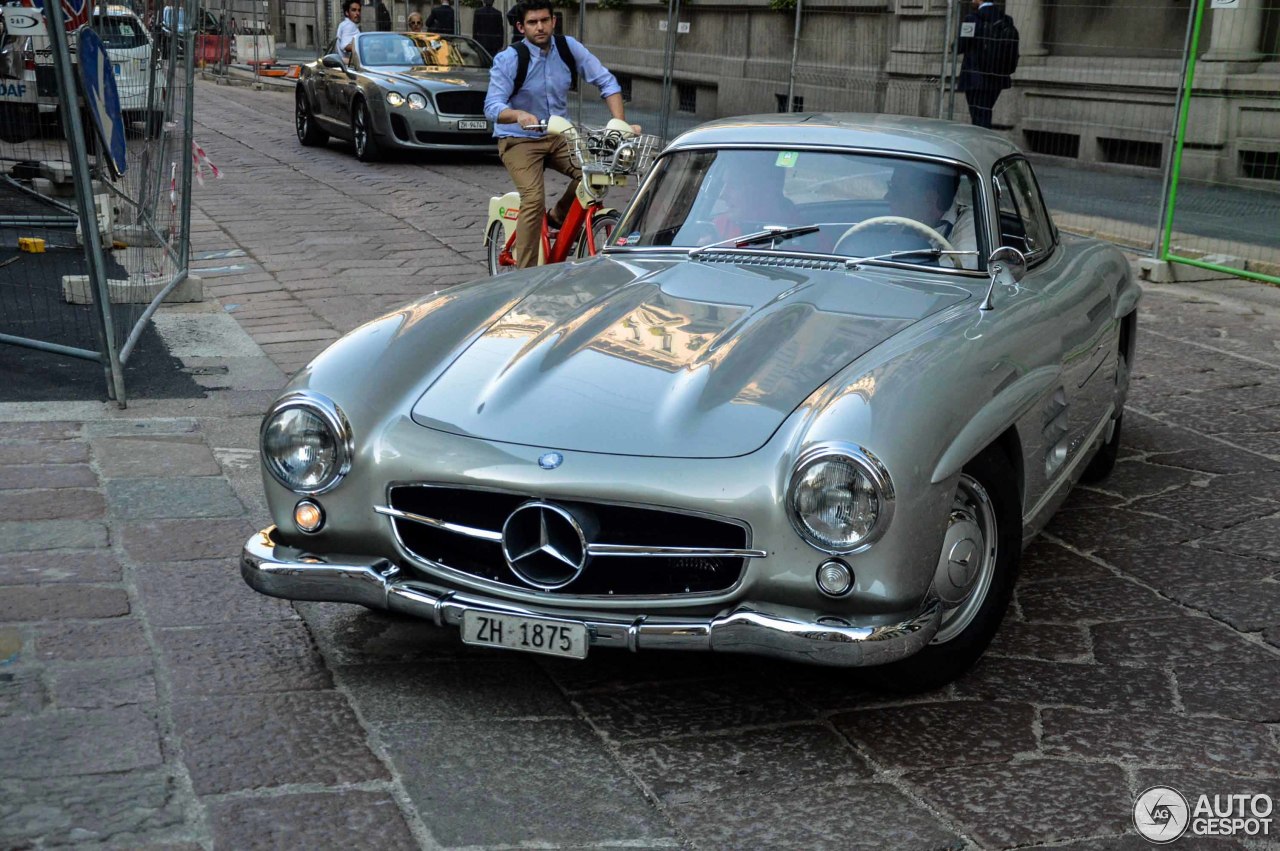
x=607, y=157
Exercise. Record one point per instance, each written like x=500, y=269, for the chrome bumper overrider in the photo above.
x=376, y=584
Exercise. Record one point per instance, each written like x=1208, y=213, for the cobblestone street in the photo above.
x=150, y=700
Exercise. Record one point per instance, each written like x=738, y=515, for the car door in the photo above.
x=1077, y=314
x=334, y=89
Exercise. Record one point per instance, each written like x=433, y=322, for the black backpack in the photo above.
x=522, y=63
x=1000, y=50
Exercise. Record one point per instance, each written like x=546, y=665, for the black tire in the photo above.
x=1105, y=461
x=495, y=241
x=986, y=503
x=304, y=122
x=602, y=227
x=18, y=123
x=362, y=136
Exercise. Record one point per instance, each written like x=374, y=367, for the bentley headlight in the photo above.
x=417, y=101
x=840, y=498
x=306, y=443
x=395, y=98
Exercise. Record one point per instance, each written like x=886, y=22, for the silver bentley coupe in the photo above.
x=397, y=94
x=829, y=377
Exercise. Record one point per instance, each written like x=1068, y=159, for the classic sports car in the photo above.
x=809, y=425
x=397, y=94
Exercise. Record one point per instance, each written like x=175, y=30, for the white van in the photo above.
x=130, y=49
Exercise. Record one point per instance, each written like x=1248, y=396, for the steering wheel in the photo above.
x=902, y=221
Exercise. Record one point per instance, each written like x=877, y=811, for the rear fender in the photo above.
x=503, y=208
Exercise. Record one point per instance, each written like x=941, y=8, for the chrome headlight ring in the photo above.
x=322, y=411
x=867, y=474
x=395, y=98
x=417, y=101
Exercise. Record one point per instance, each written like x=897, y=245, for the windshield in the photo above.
x=450, y=51
x=388, y=49
x=862, y=204
x=120, y=32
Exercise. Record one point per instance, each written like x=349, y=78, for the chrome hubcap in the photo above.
x=968, y=559
x=302, y=119
x=360, y=133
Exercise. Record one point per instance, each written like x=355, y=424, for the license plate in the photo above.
x=473, y=124
x=518, y=632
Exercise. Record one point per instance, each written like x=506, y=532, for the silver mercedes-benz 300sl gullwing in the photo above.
x=830, y=375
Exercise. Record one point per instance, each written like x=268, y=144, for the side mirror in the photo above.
x=333, y=61
x=1004, y=262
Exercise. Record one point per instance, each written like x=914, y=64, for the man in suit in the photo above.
x=488, y=29
x=980, y=77
x=441, y=19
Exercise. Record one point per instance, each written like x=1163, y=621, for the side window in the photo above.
x=1024, y=222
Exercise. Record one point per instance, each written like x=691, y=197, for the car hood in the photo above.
x=661, y=358
x=435, y=77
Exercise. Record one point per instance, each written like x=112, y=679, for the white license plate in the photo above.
x=473, y=124
x=518, y=632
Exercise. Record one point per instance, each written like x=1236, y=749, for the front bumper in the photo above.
x=376, y=584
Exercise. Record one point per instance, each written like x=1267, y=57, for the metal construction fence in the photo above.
x=94, y=189
x=1153, y=123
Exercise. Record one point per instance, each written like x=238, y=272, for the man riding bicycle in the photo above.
x=542, y=91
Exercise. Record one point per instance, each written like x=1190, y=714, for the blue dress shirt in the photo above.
x=546, y=84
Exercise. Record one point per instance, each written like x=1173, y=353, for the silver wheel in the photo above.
x=970, y=551
x=362, y=133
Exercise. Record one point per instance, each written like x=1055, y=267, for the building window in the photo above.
x=687, y=94
x=311, y=36
x=625, y=83
x=797, y=102
x=293, y=33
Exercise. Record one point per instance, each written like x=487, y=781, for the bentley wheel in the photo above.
x=602, y=227
x=974, y=577
x=305, y=123
x=495, y=243
x=362, y=133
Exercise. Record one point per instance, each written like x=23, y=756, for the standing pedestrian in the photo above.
x=384, y=17
x=348, y=29
x=487, y=28
x=989, y=42
x=415, y=22
x=441, y=19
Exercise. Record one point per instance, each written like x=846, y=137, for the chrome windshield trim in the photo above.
x=672, y=552
x=470, y=532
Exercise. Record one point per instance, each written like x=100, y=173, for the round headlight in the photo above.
x=306, y=443
x=840, y=498
x=395, y=98
x=417, y=101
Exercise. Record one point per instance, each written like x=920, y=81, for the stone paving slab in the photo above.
x=149, y=700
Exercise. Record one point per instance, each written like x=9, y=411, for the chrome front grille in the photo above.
x=631, y=551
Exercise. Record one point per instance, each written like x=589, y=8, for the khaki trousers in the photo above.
x=525, y=160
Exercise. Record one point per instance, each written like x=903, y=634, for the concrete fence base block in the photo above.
x=76, y=289
x=136, y=235
x=1163, y=272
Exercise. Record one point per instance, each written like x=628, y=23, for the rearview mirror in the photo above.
x=334, y=61
x=1007, y=263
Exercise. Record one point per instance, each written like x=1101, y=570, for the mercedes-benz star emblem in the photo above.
x=550, y=460
x=544, y=545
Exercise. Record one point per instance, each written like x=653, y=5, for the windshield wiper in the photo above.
x=770, y=234
x=934, y=253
